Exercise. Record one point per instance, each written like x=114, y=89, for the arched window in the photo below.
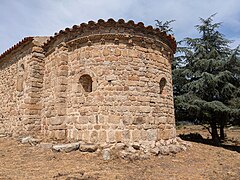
x=162, y=85
x=86, y=82
x=22, y=68
x=20, y=78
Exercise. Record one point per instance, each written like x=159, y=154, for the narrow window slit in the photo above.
x=162, y=85
x=86, y=82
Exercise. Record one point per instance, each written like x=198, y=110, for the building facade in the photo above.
x=102, y=82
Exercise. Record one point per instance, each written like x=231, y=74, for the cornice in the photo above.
x=101, y=30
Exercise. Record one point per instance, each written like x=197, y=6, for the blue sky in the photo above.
x=21, y=18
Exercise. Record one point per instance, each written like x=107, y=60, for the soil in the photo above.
x=201, y=161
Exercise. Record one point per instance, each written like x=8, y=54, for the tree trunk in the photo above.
x=222, y=134
x=223, y=120
x=214, y=134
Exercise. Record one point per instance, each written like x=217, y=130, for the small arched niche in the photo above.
x=20, y=78
x=86, y=82
x=22, y=68
x=162, y=85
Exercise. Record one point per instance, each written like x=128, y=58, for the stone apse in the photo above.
x=103, y=83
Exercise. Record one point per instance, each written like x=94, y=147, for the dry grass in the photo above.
x=201, y=161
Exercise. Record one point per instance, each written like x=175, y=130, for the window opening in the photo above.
x=162, y=85
x=86, y=82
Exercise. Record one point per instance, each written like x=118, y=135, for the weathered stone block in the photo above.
x=60, y=134
x=164, y=150
x=66, y=147
x=114, y=119
x=138, y=121
x=102, y=136
x=133, y=78
x=46, y=145
x=111, y=136
x=57, y=127
x=117, y=52
x=83, y=120
x=94, y=137
x=61, y=110
x=88, y=148
x=37, y=49
x=57, y=120
x=111, y=77
x=86, y=136
x=144, y=135
x=106, y=52
x=97, y=127
x=96, y=53
x=160, y=120
x=136, y=135
x=166, y=134
x=152, y=134
x=119, y=136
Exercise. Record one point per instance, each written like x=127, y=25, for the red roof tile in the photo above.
x=20, y=43
x=112, y=22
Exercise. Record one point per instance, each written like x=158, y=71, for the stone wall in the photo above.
x=125, y=104
x=12, y=90
x=101, y=83
x=54, y=117
x=18, y=104
x=130, y=99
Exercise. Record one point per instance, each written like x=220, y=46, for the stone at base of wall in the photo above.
x=133, y=151
x=137, y=151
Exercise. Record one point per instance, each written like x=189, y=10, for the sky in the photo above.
x=22, y=18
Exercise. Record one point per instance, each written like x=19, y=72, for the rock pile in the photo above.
x=131, y=151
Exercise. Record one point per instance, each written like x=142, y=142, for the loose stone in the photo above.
x=66, y=147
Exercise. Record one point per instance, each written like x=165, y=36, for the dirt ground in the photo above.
x=201, y=161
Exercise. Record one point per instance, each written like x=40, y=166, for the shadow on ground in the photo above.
x=196, y=137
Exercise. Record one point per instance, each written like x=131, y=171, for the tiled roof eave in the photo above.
x=20, y=43
x=111, y=22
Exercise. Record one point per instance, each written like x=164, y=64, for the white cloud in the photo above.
x=44, y=17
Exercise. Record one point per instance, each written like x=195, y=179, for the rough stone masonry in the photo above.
x=100, y=83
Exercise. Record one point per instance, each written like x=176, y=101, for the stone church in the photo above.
x=103, y=82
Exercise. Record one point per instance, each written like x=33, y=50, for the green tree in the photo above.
x=164, y=26
x=206, y=79
x=234, y=67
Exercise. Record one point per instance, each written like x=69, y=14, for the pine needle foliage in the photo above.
x=164, y=26
x=206, y=77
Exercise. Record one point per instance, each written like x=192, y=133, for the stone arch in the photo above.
x=84, y=79
x=162, y=83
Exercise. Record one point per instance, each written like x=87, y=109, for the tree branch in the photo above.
x=207, y=127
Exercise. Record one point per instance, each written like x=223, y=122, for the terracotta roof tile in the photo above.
x=109, y=22
x=20, y=43
x=112, y=22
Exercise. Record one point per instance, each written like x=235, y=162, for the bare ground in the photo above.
x=201, y=161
